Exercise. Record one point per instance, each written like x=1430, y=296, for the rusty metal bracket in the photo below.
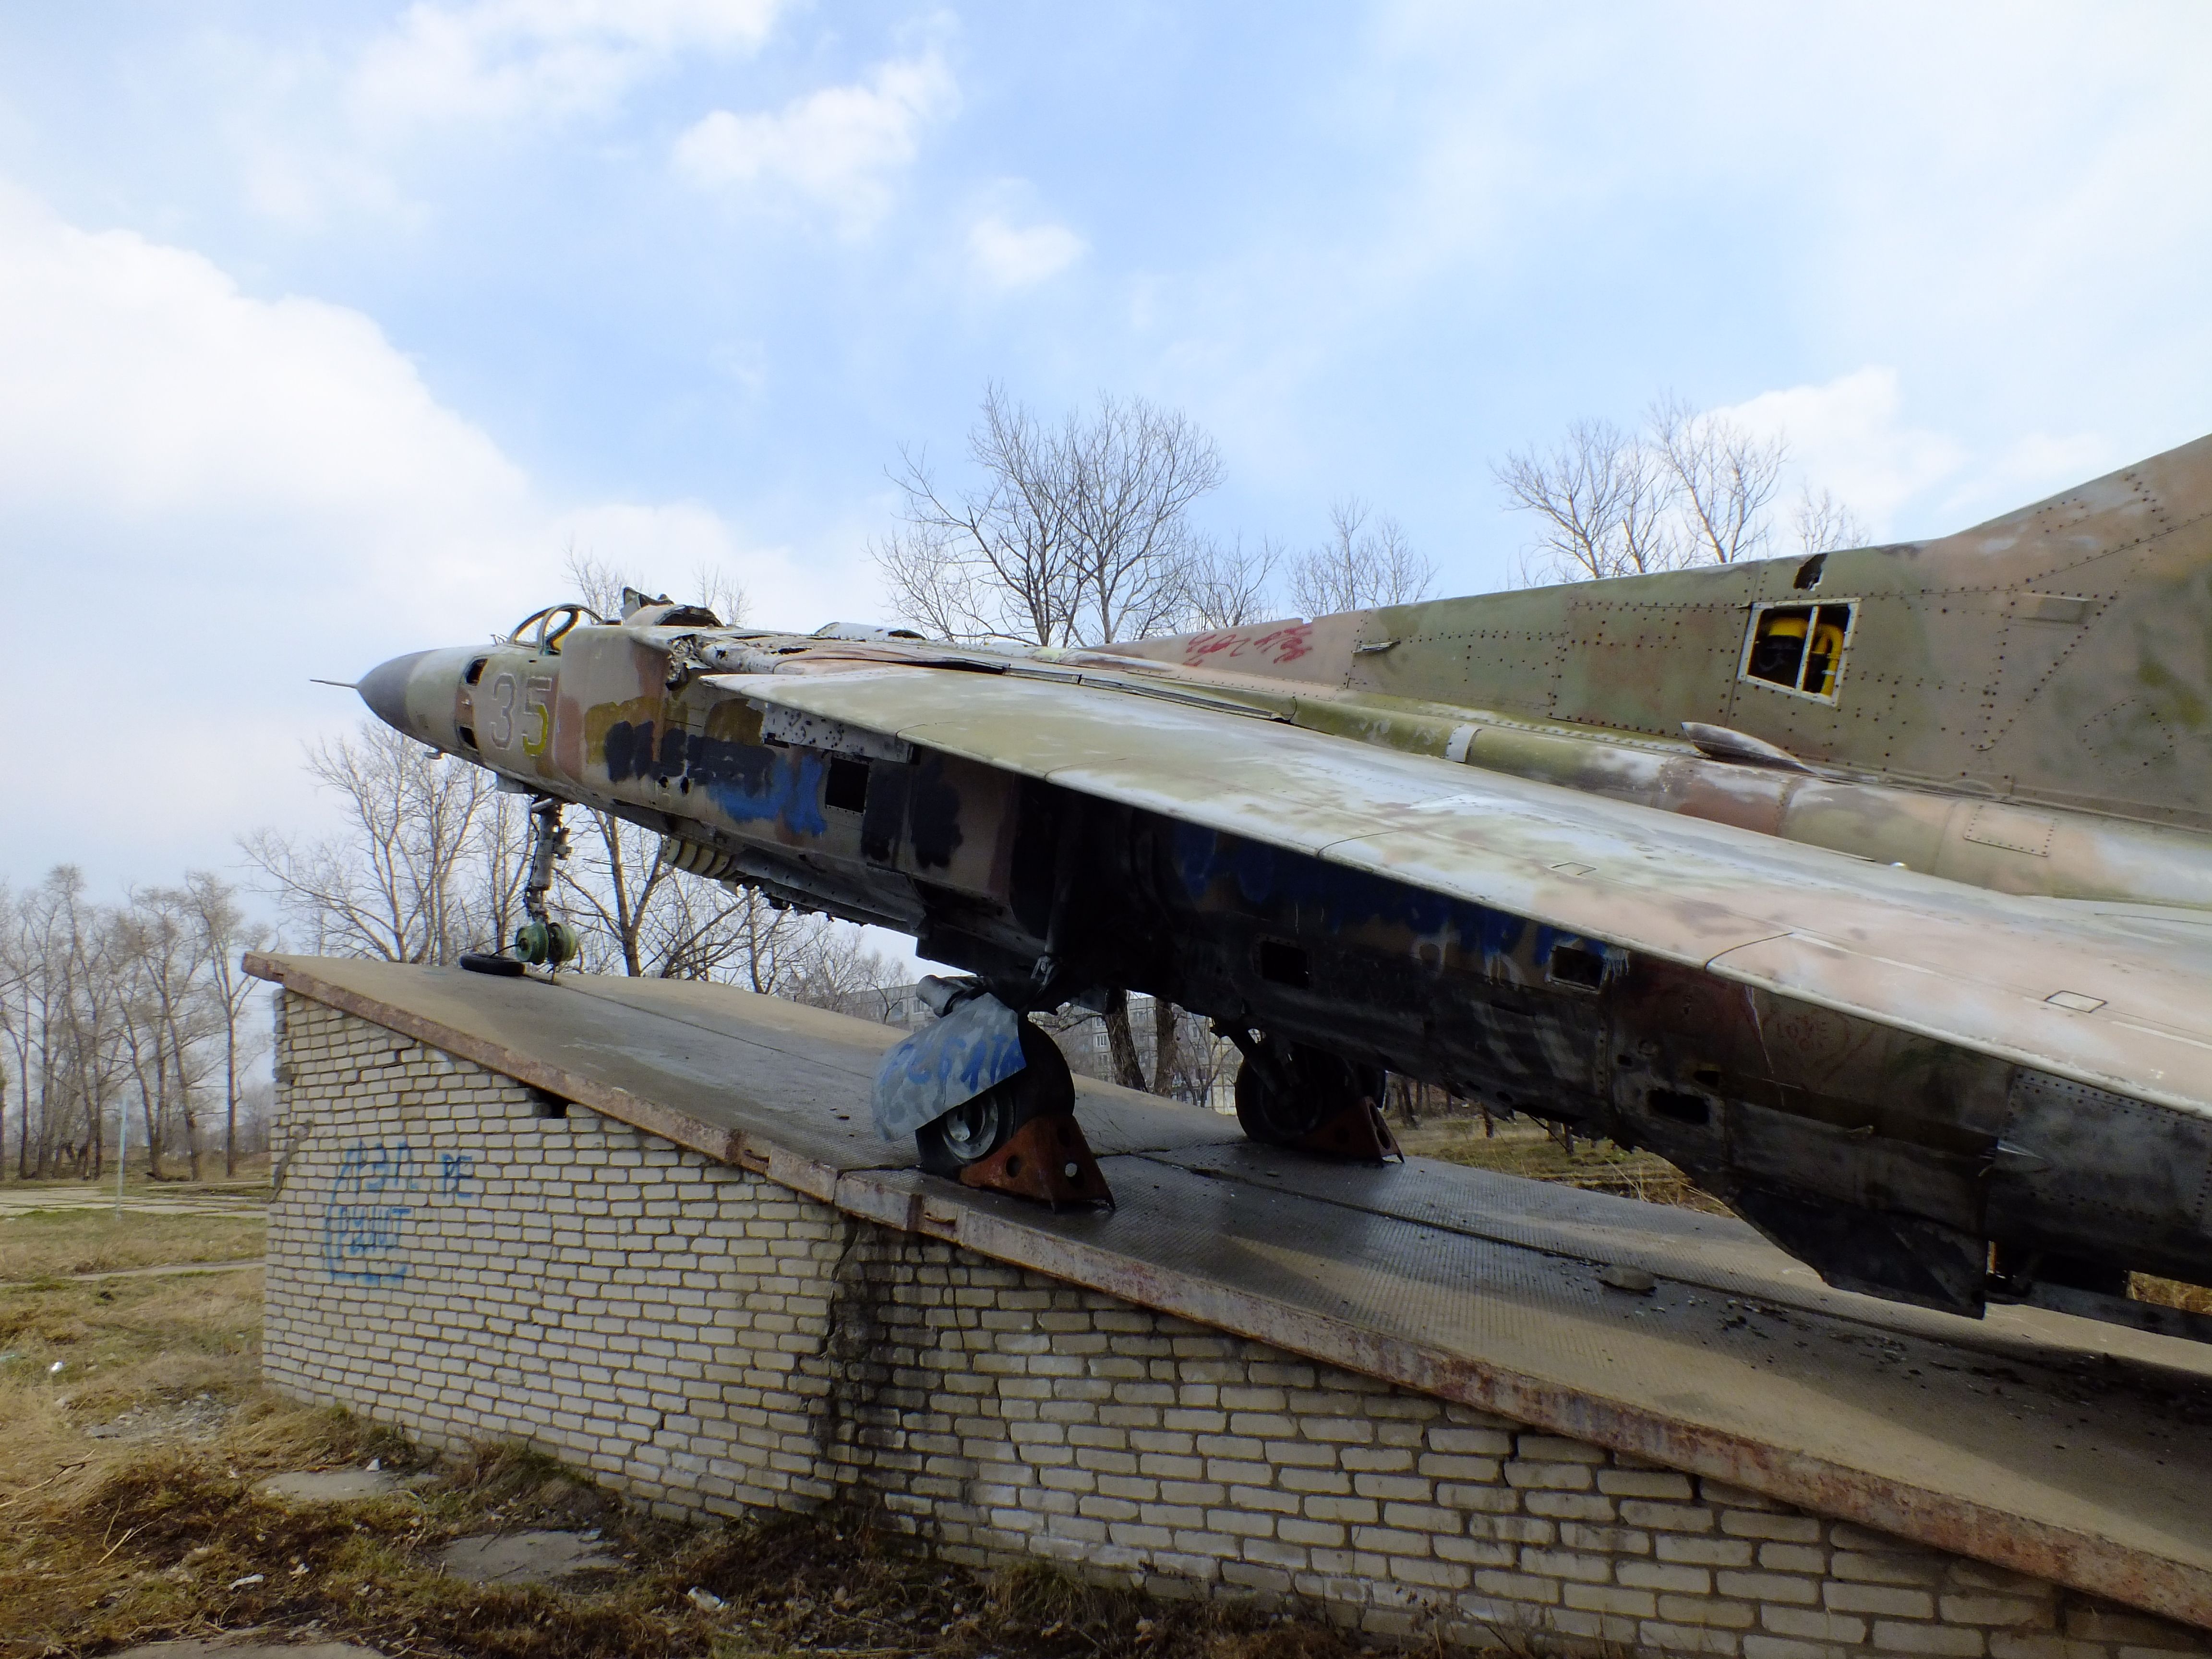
x=1047, y=1158
x=1356, y=1135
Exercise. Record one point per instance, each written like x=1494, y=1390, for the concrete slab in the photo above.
x=526, y=1558
x=330, y=1485
x=746, y=1080
x=2075, y=1451
x=200, y=1418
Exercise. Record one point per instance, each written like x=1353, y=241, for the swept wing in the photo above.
x=2050, y=984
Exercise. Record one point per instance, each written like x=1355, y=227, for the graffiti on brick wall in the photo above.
x=380, y=1188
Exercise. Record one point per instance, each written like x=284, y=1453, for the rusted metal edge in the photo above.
x=899, y=1200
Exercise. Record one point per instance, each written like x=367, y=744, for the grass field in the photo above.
x=136, y=1432
x=47, y=1243
x=1519, y=1147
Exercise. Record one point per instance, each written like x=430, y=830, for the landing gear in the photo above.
x=1020, y=1135
x=989, y=1100
x=973, y=1132
x=1290, y=1094
x=540, y=942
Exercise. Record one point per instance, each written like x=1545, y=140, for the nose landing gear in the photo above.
x=540, y=942
x=1291, y=1094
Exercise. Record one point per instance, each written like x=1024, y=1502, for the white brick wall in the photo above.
x=446, y=1258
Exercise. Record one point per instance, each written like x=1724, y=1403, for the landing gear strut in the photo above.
x=542, y=940
x=1290, y=1094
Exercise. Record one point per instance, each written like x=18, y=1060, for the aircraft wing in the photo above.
x=2133, y=1011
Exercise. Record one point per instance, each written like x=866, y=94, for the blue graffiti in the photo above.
x=380, y=1186
x=976, y=1045
x=362, y=1221
x=791, y=794
x=750, y=781
x=1307, y=891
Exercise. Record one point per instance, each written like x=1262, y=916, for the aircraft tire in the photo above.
x=970, y=1133
x=1301, y=1087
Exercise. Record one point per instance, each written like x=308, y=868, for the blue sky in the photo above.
x=326, y=330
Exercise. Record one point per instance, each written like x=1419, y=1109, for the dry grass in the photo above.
x=46, y=1243
x=2169, y=1294
x=1520, y=1148
x=107, y=1542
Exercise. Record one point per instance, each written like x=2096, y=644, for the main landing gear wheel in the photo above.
x=1019, y=1136
x=1291, y=1094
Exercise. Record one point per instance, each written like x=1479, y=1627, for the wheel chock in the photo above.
x=1047, y=1158
x=1356, y=1135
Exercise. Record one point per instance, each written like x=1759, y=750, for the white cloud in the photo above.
x=146, y=389
x=668, y=545
x=2039, y=464
x=208, y=497
x=1008, y=257
x=834, y=146
x=1847, y=436
x=498, y=59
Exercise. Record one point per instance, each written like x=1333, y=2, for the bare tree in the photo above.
x=1135, y=471
x=1724, y=477
x=615, y=879
x=773, y=941
x=224, y=934
x=997, y=561
x=112, y=1009
x=1600, y=499
x=417, y=873
x=62, y=1005
x=94, y=999
x=662, y=922
x=1824, y=524
x=1692, y=487
x=1366, y=562
x=836, y=971
x=17, y=1028
x=165, y=1023
x=600, y=583
x=1227, y=586
x=1195, y=1066
x=1077, y=534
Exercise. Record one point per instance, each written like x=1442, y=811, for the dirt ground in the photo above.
x=138, y=1434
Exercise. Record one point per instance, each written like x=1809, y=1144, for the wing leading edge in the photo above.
x=2035, y=982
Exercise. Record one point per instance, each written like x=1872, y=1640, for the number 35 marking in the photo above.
x=535, y=692
x=502, y=708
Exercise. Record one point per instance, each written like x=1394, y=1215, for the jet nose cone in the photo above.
x=384, y=689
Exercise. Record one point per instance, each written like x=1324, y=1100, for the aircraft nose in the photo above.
x=384, y=689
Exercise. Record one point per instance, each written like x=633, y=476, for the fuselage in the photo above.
x=2020, y=710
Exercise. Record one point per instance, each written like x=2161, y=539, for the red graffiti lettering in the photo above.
x=1277, y=645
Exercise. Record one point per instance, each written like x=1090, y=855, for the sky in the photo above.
x=326, y=332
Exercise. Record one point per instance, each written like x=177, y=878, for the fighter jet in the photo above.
x=1872, y=888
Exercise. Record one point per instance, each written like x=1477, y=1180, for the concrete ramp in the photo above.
x=2076, y=1453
